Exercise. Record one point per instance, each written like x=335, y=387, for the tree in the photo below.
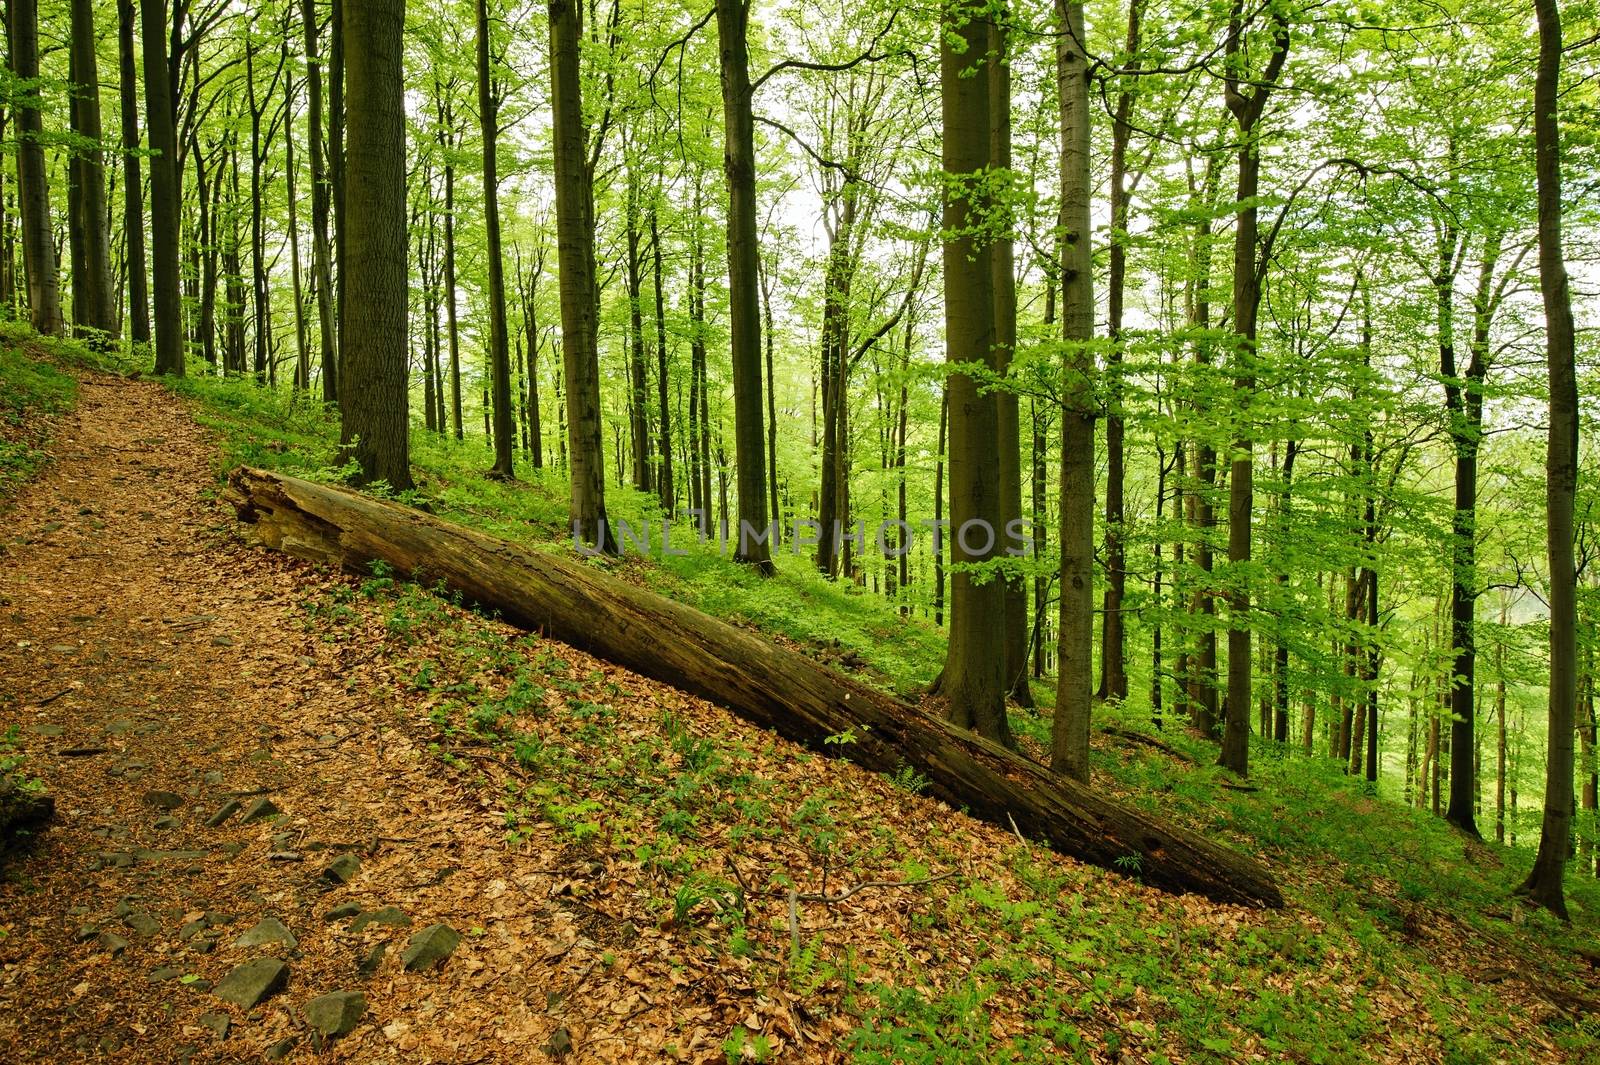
x=974, y=681
x=1069, y=749
x=132, y=183
x=321, y=254
x=33, y=188
x=499, y=342
x=376, y=427
x=92, y=289
x=744, y=296
x=574, y=179
x=1544, y=883
x=160, y=124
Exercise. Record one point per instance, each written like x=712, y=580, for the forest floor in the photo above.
x=634, y=874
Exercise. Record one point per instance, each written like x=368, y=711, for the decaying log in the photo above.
x=802, y=700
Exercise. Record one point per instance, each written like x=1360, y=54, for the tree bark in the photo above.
x=802, y=700
x=321, y=255
x=974, y=678
x=97, y=306
x=579, y=295
x=1069, y=750
x=132, y=179
x=33, y=187
x=376, y=430
x=164, y=219
x=499, y=336
x=744, y=313
x=1544, y=883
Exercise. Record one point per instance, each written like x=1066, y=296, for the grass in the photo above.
x=1399, y=939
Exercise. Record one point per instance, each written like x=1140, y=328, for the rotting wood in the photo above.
x=800, y=699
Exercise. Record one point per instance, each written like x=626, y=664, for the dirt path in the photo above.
x=159, y=668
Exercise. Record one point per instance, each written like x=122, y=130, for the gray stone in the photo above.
x=261, y=808
x=85, y=933
x=253, y=983
x=165, y=973
x=203, y=946
x=164, y=800
x=42, y=729
x=112, y=943
x=164, y=823
x=344, y=910
x=285, y=856
x=193, y=928
x=142, y=923
x=225, y=811
x=218, y=1022
x=267, y=930
x=341, y=869
x=374, y=958
x=392, y=916
x=560, y=1044
x=281, y=1049
x=337, y=1013
x=214, y=777
x=430, y=947
x=233, y=850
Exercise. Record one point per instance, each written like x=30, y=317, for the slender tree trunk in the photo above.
x=321, y=255
x=132, y=179
x=1069, y=751
x=302, y=362
x=579, y=295
x=664, y=482
x=376, y=429
x=744, y=312
x=159, y=125
x=499, y=339
x=1544, y=883
x=99, y=307
x=938, y=508
x=33, y=189
x=639, y=386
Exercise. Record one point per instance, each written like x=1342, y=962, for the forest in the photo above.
x=1153, y=429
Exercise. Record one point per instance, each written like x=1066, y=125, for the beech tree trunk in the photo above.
x=160, y=125
x=499, y=335
x=1544, y=883
x=579, y=295
x=98, y=307
x=774, y=688
x=376, y=428
x=752, y=543
x=33, y=188
x=132, y=181
x=321, y=255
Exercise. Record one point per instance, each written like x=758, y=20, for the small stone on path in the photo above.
x=218, y=1022
x=253, y=983
x=343, y=910
x=267, y=930
x=225, y=811
x=430, y=947
x=259, y=809
x=165, y=800
x=341, y=869
x=389, y=915
x=337, y=1013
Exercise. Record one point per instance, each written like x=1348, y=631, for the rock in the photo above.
x=341, y=869
x=85, y=933
x=267, y=930
x=225, y=811
x=218, y=1022
x=233, y=850
x=344, y=910
x=213, y=778
x=203, y=946
x=43, y=729
x=285, y=856
x=112, y=943
x=430, y=947
x=252, y=983
x=259, y=809
x=113, y=860
x=193, y=928
x=165, y=800
x=560, y=1044
x=124, y=906
x=374, y=958
x=165, y=973
x=142, y=923
x=392, y=916
x=281, y=1049
x=164, y=823
x=337, y=1013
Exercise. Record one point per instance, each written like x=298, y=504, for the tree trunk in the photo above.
x=638, y=379
x=321, y=264
x=159, y=125
x=974, y=672
x=771, y=687
x=98, y=306
x=579, y=295
x=744, y=312
x=1075, y=667
x=376, y=429
x=1544, y=883
x=499, y=336
x=33, y=188
x=664, y=482
x=132, y=180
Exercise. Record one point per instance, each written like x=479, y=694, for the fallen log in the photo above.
x=802, y=700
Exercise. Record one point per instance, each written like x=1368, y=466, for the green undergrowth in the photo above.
x=36, y=383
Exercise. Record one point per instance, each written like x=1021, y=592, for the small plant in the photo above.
x=908, y=779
